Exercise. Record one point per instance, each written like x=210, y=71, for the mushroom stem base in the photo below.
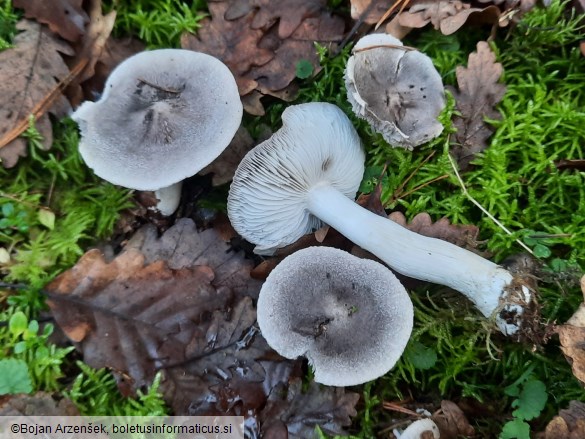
x=168, y=198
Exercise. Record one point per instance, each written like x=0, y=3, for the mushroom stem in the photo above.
x=488, y=285
x=168, y=198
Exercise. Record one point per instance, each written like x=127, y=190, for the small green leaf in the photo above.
x=47, y=218
x=420, y=356
x=371, y=177
x=516, y=429
x=18, y=323
x=14, y=377
x=541, y=251
x=304, y=69
x=531, y=400
x=7, y=209
x=19, y=347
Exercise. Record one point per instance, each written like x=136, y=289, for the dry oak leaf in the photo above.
x=288, y=13
x=233, y=42
x=28, y=73
x=64, y=17
x=369, y=11
x=37, y=404
x=572, y=338
x=569, y=424
x=479, y=92
x=331, y=408
x=462, y=235
x=452, y=422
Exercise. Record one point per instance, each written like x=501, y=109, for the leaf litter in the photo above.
x=182, y=305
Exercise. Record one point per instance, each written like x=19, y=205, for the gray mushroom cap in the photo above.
x=350, y=317
x=317, y=144
x=164, y=115
x=396, y=89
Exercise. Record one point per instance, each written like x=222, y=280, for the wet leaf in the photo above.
x=28, y=73
x=479, y=92
x=38, y=404
x=569, y=424
x=572, y=338
x=64, y=17
x=452, y=422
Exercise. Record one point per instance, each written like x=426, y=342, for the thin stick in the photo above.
x=41, y=107
x=390, y=10
x=483, y=209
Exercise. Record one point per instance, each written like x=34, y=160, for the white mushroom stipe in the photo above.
x=169, y=198
x=163, y=116
x=396, y=89
x=350, y=317
x=309, y=172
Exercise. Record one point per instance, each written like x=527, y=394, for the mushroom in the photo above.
x=309, y=172
x=396, y=89
x=164, y=115
x=421, y=429
x=350, y=317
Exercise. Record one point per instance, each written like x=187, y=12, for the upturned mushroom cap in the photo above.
x=317, y=144
x=417, y=428
x=350, y=317
x=396, y=89
x=164, y=115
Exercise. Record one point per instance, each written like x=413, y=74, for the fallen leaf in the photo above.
x=479, y=92
x=445, y=15
x=288, y=13
x=262, y=44
x=64, y=17
x=572, y=338
x=452, y=422
x=462, y=235
x=369, y=11
x=29, y=72
x=569, y=424
x=38, y=404
x=331, y=408
x=224, y=167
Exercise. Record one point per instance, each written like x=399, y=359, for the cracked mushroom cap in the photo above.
x=317, y=144
x=164, y=115
x=350, y=317
x=396, y=89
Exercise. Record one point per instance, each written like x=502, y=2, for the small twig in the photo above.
x=398, y=408
x=386, y=46
x=483, y=209
x=159, y=87
x=420, y=186
x=398, y=192
x=390, y=10
x=41, y=107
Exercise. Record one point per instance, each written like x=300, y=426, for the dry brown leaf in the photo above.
x=224, y=166
x=28, y=73
x=572, y=338
x=288, y=13
x=452, y=422
x=233, y=42
x=462, y=235
x=262, y=61
x=445, y=15
x=479, y=92
x=370, y=11
x=569, y=424
x=37, y=404
x=64, y=17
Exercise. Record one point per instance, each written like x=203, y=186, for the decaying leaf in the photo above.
x=64, y=17
x=180, y=304
x=569, y=424
x=329, y=407
x=28, y=73
x=572, y=338
x=224, y=166
x=462, y=235
x=369, y=11
x=261, y=43
x=479, y=92
x=452, y=422
x=445, y=15
x=38, y=404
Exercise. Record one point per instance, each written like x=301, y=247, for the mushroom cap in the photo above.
x=317, y=144
x=350, y=317
x=164, y=115
x=420, y=426
x=397, y=90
